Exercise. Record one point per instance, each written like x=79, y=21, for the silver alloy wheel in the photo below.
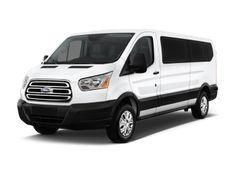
x=204, y=105
x=126, y=123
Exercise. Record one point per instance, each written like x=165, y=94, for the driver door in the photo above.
x=146, y=86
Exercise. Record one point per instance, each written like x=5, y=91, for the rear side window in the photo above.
x=174, y=50
x=200, y=51
x=144, y=45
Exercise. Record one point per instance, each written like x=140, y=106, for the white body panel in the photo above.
x=171, y=78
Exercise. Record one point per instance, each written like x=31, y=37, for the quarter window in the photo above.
x=200, y=51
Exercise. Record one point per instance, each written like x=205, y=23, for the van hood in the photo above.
x=69, y=72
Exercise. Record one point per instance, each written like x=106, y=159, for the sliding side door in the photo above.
x=174, y=73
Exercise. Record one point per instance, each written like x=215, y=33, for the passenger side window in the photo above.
x=200, y=51
x=174, y=50
x=143, y=45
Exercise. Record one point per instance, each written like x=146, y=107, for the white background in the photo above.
x=170, y=145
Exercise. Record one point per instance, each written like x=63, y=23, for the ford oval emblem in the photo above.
x=46, y=90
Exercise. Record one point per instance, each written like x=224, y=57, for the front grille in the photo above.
x=49, y=90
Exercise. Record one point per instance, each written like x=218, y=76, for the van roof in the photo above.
x=139, y=31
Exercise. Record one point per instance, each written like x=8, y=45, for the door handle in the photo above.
x=156, y=72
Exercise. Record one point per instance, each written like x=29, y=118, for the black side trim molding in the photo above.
x=149, y=102
x=169, y=98
x=178, y=96
x=161, y=113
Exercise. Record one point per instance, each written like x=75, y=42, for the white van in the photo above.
x=112, y=79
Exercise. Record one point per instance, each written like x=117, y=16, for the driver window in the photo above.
x=143, y=45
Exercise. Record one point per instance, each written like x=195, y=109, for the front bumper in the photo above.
x=75, y=116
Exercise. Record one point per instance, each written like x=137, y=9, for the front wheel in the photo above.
x=200, y=109
x=122, y=126
x=44, y=130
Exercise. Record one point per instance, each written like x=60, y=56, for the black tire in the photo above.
x=44, y=130
x=197, y=112
x=114, y=130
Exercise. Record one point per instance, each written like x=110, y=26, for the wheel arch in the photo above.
x=205, y=87
x=127, y=98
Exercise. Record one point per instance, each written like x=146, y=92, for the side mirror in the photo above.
x=45, y=57
x=139, y=64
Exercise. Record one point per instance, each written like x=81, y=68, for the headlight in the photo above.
x=25, y=81
x=95, y=82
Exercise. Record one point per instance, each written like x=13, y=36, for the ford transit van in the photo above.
x=112, y=79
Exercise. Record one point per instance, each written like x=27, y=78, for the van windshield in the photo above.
x=90, y=49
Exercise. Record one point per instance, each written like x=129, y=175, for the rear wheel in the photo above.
x=200, y=109
x=45, y=130
x=123, y=125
